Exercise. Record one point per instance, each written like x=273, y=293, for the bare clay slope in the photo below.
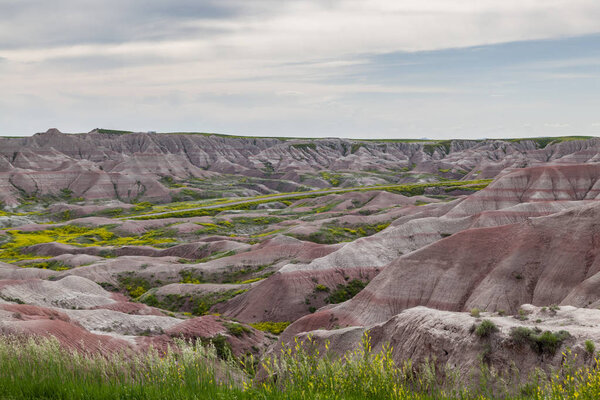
x=543, y=260
x=513, y=198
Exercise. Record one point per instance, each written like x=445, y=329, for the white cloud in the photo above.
x=308, y=30
x=296, y=52
x=556, y=125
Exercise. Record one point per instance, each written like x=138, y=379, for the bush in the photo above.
x=321, y=288
x=521, y=335
x=590, y=347
x=475, y=312
x=346, y=292
x=486, y=328
x=540, y=342
x=237, y=330
x=274, y=327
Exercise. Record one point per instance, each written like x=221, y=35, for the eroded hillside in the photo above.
x=149, y=237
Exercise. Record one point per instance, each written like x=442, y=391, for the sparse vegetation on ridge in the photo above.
x=346, y=292
x=332, y=233
x=273, y=327
x=189, y=210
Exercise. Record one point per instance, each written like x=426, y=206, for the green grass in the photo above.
x=333, y=179
x=195, y=303
x=188, y=210
x=485, y=328
x=236, y=329
x=542, y=142
x=75, y=235
x=41, y=369
x=540, y=342
x=273, y=327
x=52, y=265
x=331, y=233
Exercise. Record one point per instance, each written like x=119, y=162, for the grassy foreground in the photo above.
x=41, y=369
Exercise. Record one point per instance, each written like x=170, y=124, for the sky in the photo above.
x=438, y=69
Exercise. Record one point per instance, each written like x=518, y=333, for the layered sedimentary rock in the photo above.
x=129, y=167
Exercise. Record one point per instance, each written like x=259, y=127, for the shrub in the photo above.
x=321, y=288
x=522, y=315
x=137, y=292
x=346, y=292
x=549, y=342
x=235, y=329
x=475, y=312
x=274, y=327
x=590, y=347
x=540, y=342
x=520, y=335
x=486, y=328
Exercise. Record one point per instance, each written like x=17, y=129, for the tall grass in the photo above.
x=41, y=369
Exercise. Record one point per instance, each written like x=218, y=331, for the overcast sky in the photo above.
x=349, y=68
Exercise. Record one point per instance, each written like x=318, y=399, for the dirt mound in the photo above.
x=537, y=184
x=69, y=293
x=9, y=271
x=199, y=250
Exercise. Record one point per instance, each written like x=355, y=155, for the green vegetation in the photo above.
x=540, y=342
x=274, y=327
x=470, y=188
x=331, y=233
x=35, y=198
x=237, y=275
x=197, y=304
x=169, y=182
x=135, y=286
x=346, y=292
x=188, y=210
x=77, y=236
x=41, y=369
x=485, y=328
x=590, y=347
x=321, y=288
x=304, y=146
x=475, y=312
x=191, y=276
x=327, y=207
x=442, y=145
x=238, y=225
x=112, y=131
x=235, y=329
x=542, y=142
x=355, y=147
x=53, y=265
x=333, y=179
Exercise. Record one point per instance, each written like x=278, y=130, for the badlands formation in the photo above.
x=114, y=240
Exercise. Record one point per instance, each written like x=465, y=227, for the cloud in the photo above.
x=308, y=66
x=556, y=125
x=298, y=29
